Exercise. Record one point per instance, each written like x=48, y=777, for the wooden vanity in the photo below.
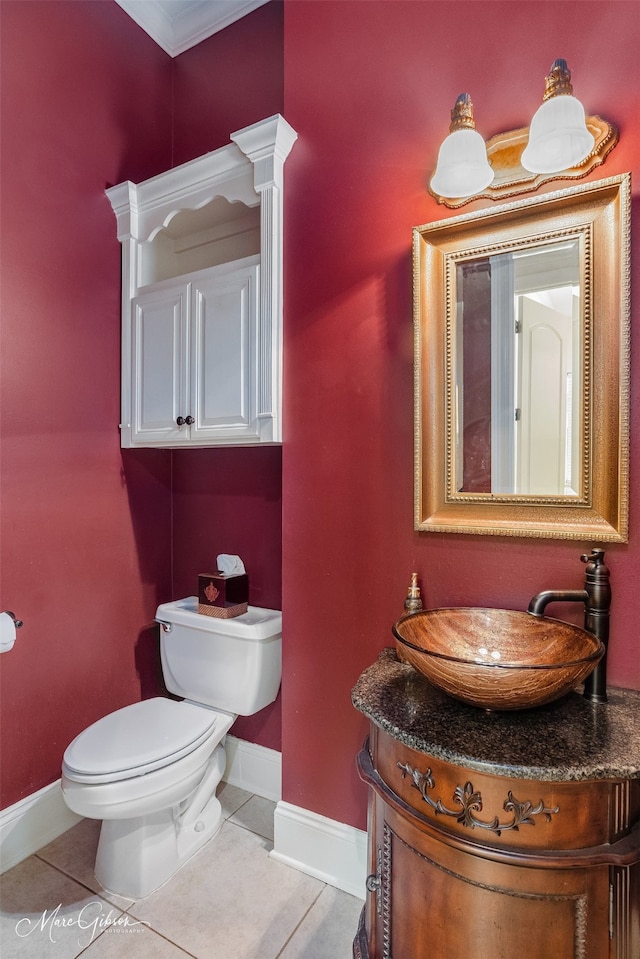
x=498, y=835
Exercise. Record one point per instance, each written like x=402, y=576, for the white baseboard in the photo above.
x=321, y=847
x=40, y=818
x=254, y=768
x=33, y=822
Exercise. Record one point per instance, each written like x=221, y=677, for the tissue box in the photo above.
x=223, y=595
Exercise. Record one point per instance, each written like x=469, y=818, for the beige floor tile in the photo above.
x=47, y=915
x=231, y=901
x=257, y=815
x=132, y=942
x=74, y=852
x=328, y=929
x=231, y=798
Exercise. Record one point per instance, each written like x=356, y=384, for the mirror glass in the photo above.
x=521, y=319
x=519, y=371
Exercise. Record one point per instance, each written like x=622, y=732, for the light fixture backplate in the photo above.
x=511, y=179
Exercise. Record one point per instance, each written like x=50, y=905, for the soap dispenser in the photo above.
x=413, y=602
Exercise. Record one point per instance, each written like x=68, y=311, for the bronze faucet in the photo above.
x=596, y=597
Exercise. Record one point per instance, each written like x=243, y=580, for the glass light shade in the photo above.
x=558, y=136
x=463, y=168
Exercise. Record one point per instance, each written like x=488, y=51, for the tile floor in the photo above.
x=230, y=901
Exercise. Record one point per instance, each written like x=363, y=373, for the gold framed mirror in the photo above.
x=521, y=325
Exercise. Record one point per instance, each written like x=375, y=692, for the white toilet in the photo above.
x=150, y=771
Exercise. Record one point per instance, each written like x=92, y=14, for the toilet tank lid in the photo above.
x=258, y=623
x=146, y=734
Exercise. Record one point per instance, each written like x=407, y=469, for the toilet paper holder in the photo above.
x=18, y=622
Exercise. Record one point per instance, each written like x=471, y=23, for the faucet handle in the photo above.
x=596, y=573
x=596, y=557
x=596, y=620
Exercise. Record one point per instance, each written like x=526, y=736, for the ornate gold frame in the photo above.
x=599, y=213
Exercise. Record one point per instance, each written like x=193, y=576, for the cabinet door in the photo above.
x=224, y=356
x=159, y=351
x=433, y=901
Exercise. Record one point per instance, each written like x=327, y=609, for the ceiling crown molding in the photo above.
x=178, y=25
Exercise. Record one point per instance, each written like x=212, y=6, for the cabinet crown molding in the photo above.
x=142, y=209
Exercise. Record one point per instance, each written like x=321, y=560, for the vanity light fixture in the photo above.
x=558, y=136
x=463, y=168
x=561, y=143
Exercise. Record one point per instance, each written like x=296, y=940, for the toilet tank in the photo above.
x=230, y=664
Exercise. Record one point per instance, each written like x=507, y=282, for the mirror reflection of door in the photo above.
x=546, y=428
x=519, y=372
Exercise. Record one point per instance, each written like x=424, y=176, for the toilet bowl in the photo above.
x=150, y=771
x=131, y=770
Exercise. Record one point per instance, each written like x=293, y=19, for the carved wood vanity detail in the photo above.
x=495, y=835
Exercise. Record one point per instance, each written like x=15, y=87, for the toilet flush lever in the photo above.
x=166, y=627
x=18, y=622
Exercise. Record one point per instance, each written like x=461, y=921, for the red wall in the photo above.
x=230, y=500
x=369, y=87
x=87, y=537
x=227, y=82
x=85, y=530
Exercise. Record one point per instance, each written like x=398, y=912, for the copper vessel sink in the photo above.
x=497, y=658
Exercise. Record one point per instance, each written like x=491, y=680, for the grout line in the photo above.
x=73, y=878
x=128, y=905
x=252, y=832
x=303, y=918
x=238, y=808
x=183, y=952
x=100, y=893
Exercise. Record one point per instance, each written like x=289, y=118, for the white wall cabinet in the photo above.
x=202, y=296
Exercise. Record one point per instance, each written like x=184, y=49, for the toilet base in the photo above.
x=137, y=856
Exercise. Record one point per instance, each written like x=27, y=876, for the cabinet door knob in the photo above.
x=373, y=883
x=181, y=421
x=189, y=421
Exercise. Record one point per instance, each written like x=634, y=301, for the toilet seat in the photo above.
x=138, y=739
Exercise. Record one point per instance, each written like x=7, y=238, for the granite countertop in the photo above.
x=566, y=741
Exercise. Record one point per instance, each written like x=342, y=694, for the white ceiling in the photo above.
x=177, y=25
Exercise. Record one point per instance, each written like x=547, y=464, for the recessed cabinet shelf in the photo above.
x=202, y=296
